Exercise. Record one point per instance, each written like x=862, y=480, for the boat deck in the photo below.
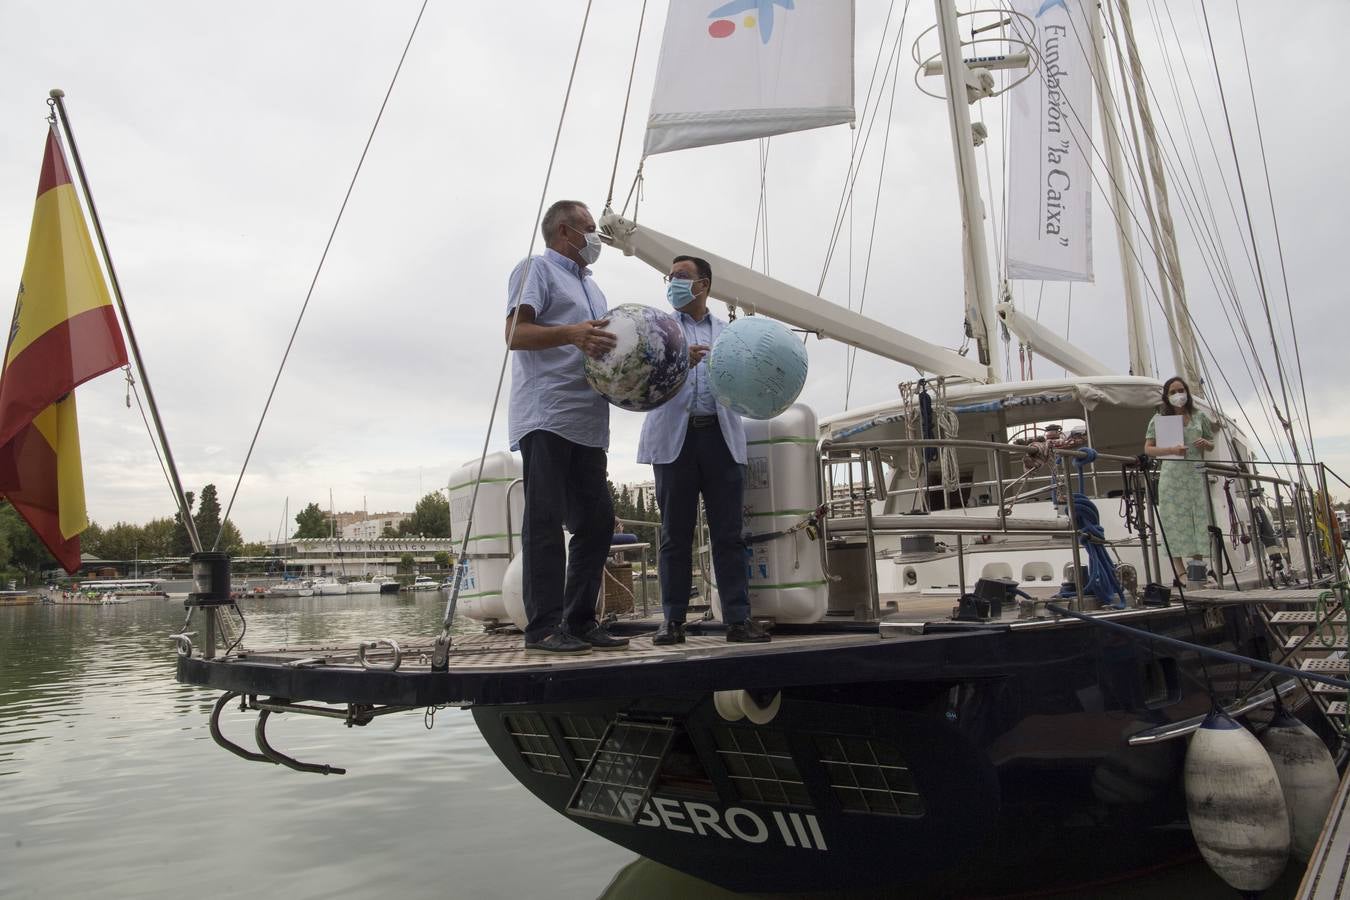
x=1328, y=874
x=917, y=639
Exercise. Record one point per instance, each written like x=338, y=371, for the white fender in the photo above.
x=760, y=715
x=1307, y=776
x=513, y=588
x=728, y=705
x=513, y=592
x=1235, y=804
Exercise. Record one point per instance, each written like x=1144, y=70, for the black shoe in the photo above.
x=747, y=632
x=556, y=643
x=669, y=633
x=600, y=639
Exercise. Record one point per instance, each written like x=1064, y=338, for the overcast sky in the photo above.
x=219, y=141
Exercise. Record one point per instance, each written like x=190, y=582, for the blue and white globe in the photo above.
x=757, y=367
x=649, y=362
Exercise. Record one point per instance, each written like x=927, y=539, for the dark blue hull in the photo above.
x=988, y=775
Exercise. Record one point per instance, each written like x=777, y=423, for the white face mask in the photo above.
x=1177, y=399
x=590, y=251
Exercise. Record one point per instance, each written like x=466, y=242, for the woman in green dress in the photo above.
x=1182, y=502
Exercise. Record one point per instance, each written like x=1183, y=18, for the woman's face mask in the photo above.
x=1177, y=399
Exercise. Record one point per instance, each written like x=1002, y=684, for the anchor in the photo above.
x=354, y=714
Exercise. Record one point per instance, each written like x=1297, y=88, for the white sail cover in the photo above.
x=1050, y=148
x=731, y=71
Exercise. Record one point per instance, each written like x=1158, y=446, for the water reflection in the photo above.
x=110, y=785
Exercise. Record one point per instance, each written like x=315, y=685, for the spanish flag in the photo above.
x=64, y=332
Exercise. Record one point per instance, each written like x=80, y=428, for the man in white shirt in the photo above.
x=697, y=446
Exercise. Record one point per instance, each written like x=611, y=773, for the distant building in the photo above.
x=357, y=558
x=372, y=527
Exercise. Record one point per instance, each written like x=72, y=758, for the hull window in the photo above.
x=869, y=776
x=582, y=735
x=618, y=779
x=535, y=744
x=760, y=766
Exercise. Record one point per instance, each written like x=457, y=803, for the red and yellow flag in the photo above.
x=64, y=333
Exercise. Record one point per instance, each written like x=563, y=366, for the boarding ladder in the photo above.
x=1316, y=641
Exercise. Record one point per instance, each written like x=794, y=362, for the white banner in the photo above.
x=1050, y=148
x=731, y=71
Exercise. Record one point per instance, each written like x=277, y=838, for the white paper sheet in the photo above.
x=1169, y=431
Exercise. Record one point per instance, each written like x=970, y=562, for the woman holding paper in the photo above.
x=1178, y=436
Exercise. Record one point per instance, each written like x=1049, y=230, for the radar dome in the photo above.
x=649, y=362
x=757, y=367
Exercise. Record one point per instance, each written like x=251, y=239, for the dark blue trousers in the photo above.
x=565, y=485
x=704, y=466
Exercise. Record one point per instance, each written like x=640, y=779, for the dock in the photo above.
x=1328, y=873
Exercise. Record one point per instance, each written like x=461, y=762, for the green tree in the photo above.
x=27, y=553
x=207, y=517
x=231, y=541
x=442, y=559
x=119, y=541
x=253, y=548
x=406, y=564
x=182, y=544
x=312, y=522
x=388, y=531
x=431, y=516
x=158, y=538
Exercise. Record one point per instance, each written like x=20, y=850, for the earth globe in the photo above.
x=649, y=362
x=757, y=367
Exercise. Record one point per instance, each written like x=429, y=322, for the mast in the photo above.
x=1136, y=328
x=1181, y=333
x=979, y=292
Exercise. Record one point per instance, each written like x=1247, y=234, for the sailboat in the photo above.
x=980, y=678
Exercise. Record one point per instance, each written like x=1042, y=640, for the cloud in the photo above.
x=220, y=148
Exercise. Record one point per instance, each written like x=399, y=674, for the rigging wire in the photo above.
x=1204, y=230
x=511, y=333
x=1204, y=343
x=149, y=429
x=859, y=148
x=1157, y=299
x=1279, y=245
x=1251, y=228
x=762, y=208
x=876, y=209
x=627, y=95
x=319, y=268
x=1210, y=244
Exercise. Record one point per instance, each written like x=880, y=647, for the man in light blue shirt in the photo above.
x=554, y=314
x=697, y=446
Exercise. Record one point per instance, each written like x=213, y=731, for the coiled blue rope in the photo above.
x=1101, y=581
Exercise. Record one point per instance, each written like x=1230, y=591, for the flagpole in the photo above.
x=57, y=96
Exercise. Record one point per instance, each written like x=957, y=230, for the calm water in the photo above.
x=110, y=785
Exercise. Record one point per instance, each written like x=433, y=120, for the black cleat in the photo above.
x=669, y=633
x=557, y=643
x=747, y=632
x=600, y=639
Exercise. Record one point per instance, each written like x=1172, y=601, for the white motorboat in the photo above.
x=424, y=583
x=325, y=587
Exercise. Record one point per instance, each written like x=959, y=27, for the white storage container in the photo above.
x=496, y=531
x=782, y=487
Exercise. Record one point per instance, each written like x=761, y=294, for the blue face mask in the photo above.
x=680, y=292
